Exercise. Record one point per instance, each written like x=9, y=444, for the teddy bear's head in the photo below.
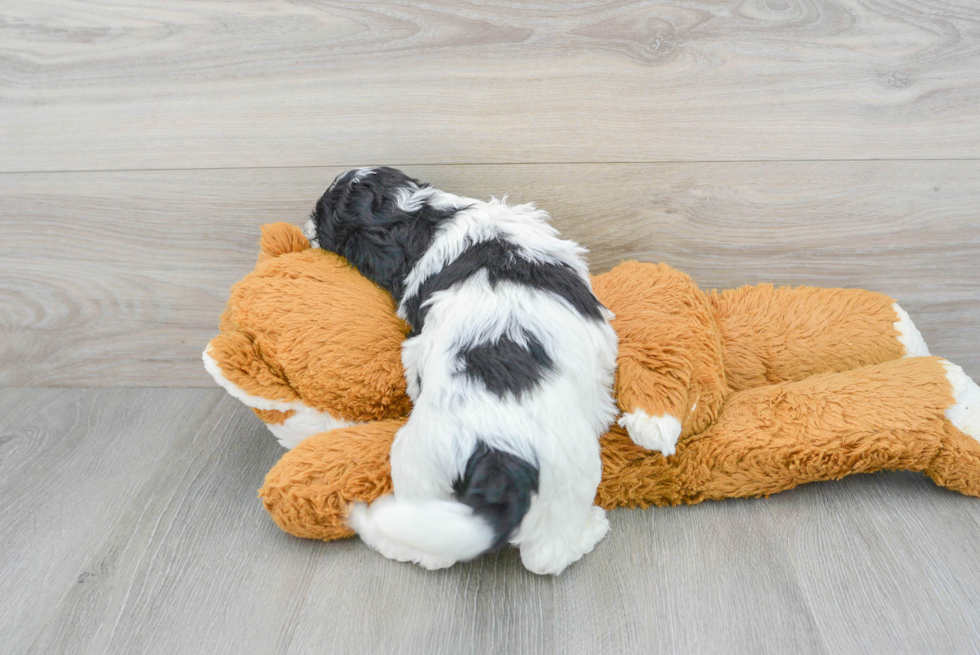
x=302, y=376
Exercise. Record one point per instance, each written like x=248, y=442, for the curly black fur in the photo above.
x=502, y=261
x=506, y=366
x=358, y=217
x=498, y=486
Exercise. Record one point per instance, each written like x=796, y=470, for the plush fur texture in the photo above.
x=782, y=387
x=509, y=366
x=377, y=219
x=767, y=440
x=278, y=361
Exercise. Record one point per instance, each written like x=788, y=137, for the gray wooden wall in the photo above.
x=141, y=146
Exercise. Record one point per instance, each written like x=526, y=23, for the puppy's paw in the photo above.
x=554, y=554
x=652, y=432
x=595, y=529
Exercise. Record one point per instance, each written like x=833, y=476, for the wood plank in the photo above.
x=158, y=84
x=69, y=463
x=152, y=540
x=887, y=563
x=193, y=563
x=360, y=602
x=114, y=279
x=186, y=560
x=641, y=590
x=713, y=578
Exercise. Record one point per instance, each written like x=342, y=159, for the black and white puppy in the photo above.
x=510, y=366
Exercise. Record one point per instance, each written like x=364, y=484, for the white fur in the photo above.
x=522, y=225
x=909, y=335
x=550, y=557
x=652, y=432
x=555, y=426
x=414, y=530
x=412, y=198
x=305, y=422
x=965, y=412
x=309, y=231
x=359, y=174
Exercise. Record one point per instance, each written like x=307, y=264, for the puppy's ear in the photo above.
x=364, y=217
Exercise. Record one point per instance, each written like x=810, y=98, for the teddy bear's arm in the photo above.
x=670, y=379
x=653, y=390
x=918, y=414
x=310, y=490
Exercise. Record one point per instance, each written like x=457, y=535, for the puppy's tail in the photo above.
x=492, y=497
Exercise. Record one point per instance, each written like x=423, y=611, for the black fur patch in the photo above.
x=502, y=261
x=498, y=486
x=362, y=221
x=507, y=366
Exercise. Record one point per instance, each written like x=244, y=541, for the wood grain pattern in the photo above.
x=162, y=84
x=192, y=563
x=114, y=279
x=70, y=463
x=690, y=580
x=886, y=562
x=130, y=524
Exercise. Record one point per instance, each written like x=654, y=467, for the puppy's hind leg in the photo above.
x=561, y=527
x=491, y=498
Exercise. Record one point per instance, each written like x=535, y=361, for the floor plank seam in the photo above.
x=643, y=162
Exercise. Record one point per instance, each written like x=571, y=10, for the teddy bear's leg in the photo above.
x=909, y=335
x=775, y=335
x=310, y=490
x=916, y=414
x=959, y=460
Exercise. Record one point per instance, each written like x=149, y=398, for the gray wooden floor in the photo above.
x=130, y=525
x=142, y=143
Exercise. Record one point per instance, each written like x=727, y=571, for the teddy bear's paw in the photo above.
x=557, y=551
x=965, y=413
x=909, y=335
x=652, y=432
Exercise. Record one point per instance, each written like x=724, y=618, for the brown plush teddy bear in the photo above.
x=734, y=394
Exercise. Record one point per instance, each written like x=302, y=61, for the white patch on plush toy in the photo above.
x=965, y=414
x=258, y=402
x=652, y=432
x=305, y=422
x=909, y=335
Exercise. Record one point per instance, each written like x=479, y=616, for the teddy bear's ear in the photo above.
x=280, y=239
